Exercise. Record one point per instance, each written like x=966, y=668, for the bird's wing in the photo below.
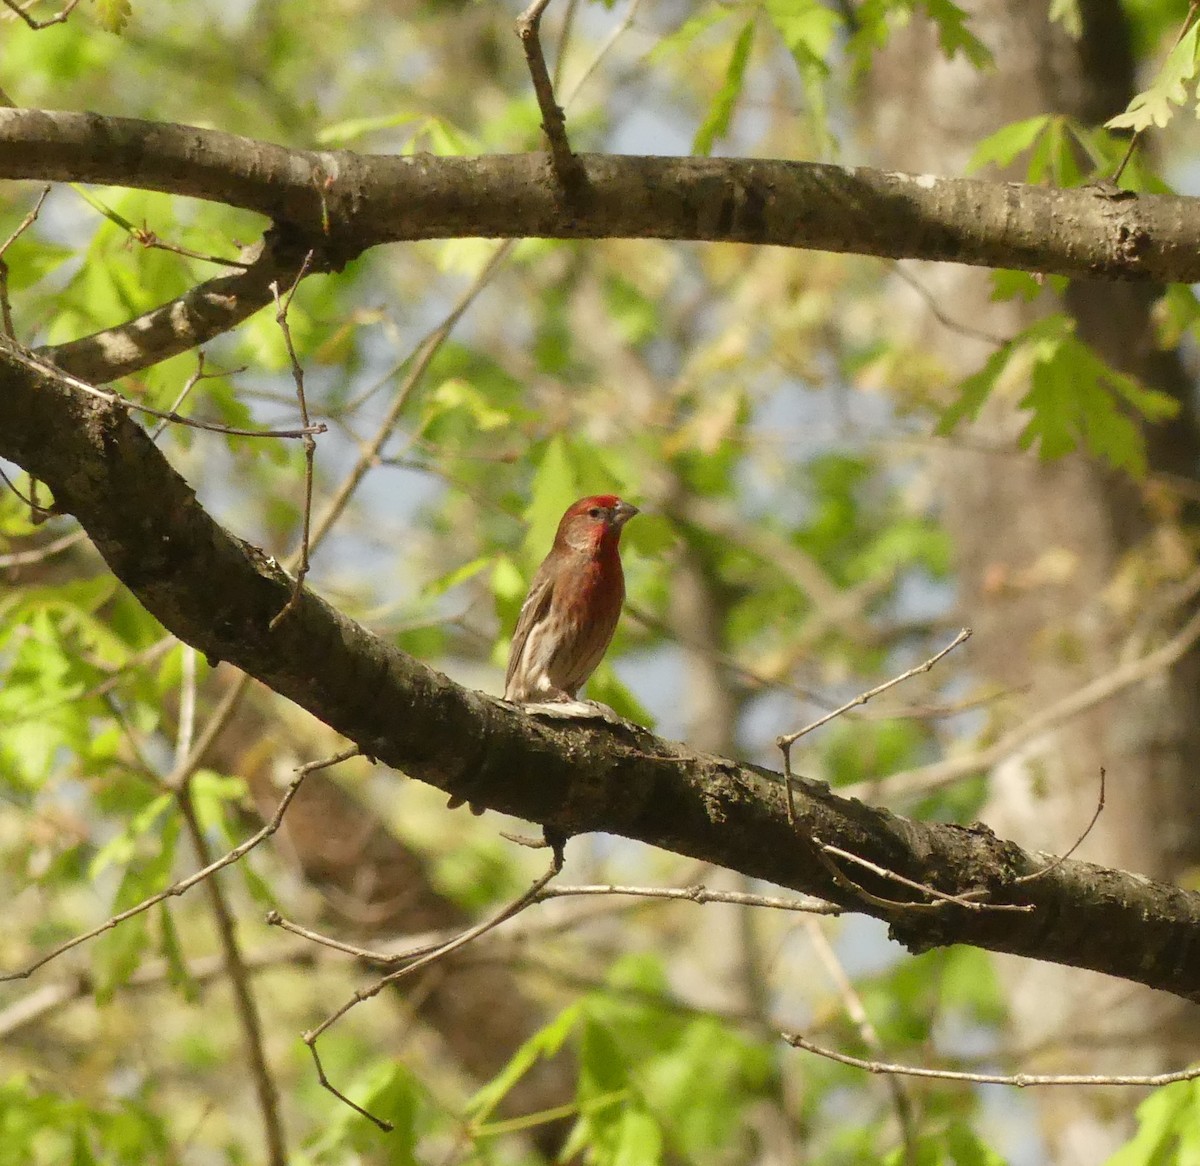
x=533, y=611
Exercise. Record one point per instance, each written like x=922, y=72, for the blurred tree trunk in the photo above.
x=1057, y=561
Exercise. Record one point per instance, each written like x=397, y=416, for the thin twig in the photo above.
x=787, y=740
x=178, y=888
x=1019, y=1080
x=422, y=358
x=58, y=18
x=192, y=381
x=187, y=704
x=602, y=52
x=969, y=900
x=417, y=945
x=35, y=507
x=1037, y=874
x=24, y=225
x=423, y=958
x=698, y=894
x=282, y=306
x=149, y=239
x=568, y=169
x=40, y=554
x=927, y=778
x=46, y=368
x=936, y=312
x=863, y=697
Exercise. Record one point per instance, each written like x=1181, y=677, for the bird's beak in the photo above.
x=622, y=513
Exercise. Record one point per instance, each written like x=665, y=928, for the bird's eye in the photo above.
x=595, y=512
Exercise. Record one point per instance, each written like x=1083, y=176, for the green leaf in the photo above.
x=1164, y=1118
x=544, y=1043
x=1155, y=106
x=1008, y=142
x=118, y=952
x=953, y=34
x=974, y=390
x=1075, y=399
x=1011, y=285
x=342, y=133
x=720, y=113
x=114, y=15
x=555, y=487
x=608, y=689
x=807, y=27
x=178, y=975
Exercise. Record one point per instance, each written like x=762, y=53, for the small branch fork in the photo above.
x=786, y=741
x=45, y=368
x=59, y=17
x=972, y=900
x=178, y=888
x=568, y=170
x=1019, y=1080
x=282, y=306
x=694, y=894
x=421, y=957
x=23, y=226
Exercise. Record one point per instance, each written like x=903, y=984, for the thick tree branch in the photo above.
x=219, y=593
x=203, y=312
x=354, y=201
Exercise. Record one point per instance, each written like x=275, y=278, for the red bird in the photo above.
x=569, y=616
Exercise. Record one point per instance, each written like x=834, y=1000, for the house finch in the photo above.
x=569, y=616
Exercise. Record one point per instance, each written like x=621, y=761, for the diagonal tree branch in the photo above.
x=219, y=593
x=351, y=201
x=194, y=318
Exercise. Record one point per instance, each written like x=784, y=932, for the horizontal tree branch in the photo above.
x=354, y=201
x=220, y=594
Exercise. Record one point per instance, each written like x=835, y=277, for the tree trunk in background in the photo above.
x=1039, y=547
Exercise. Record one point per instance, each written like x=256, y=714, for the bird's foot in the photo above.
x=571, y=710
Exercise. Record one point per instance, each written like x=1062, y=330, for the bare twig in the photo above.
x=5, y=307
x=59, y=17
x=971, y=900
x=697, y=894
x=863, y=697
x=936, y=312
x=282, y=307
x=416, y=945
x=926, y=778
x=1019, y=1080
x=422, y=958
x=40, y=554
x=1037, y=874
x=178, y=888
x=35, y=507
x=38, y=364
x=192, y=381
x=612, y=38
x=422, y=358
x=568, y=169
x=787, y=740
x=51, y=998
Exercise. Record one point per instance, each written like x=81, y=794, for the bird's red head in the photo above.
x=594, y=522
